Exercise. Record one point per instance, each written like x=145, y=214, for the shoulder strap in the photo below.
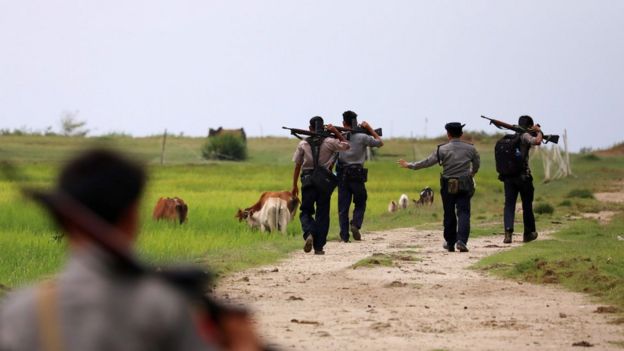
x=48, y=316
x=438, y=154
x=315, y=146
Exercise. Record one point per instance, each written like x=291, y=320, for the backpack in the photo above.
x=508, y=156
x=321, y=178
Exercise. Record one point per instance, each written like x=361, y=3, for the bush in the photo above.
x=225, y=147
x=581, y=193
x=566, y=203
x=544, y=208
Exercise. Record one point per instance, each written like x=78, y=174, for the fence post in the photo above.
x=162, y=150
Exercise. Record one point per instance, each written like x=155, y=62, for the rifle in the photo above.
x=518, y=129
x=190, y=281
x=322, y=133
x=358, y=129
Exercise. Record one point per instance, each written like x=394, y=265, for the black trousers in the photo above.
x=524, y=186
x=314, y=215
x=349, y=191
x=456, y=224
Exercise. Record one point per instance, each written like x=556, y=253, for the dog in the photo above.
x=403, y=201
x=392, y=206
x=426, y=197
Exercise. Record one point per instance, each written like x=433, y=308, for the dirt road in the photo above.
x=435, y=301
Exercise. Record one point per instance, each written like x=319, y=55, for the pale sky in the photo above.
x=143, y=66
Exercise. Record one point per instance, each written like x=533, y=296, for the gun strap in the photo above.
x=48, y=316
x=315, y=145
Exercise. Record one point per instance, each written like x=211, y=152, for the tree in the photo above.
x=71, y=126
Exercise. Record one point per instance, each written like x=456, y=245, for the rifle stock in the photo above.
x=518, y=129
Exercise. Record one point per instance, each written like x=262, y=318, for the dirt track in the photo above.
x=309, y=302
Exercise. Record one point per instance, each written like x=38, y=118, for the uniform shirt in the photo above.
x=357, y=153
x=457, y=157
x=327, y=151
x=103, y=310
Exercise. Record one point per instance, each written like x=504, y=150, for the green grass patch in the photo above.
x=387, y=259
x=585, y=257
x=376, y=260
x=581, y=193
x=543, y=208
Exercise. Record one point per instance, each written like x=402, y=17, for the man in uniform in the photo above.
x=522, y=184
x=95, y=303
x=315, y=228
x=460, y=162
x=352, y=176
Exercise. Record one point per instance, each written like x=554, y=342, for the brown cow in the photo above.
x=170, y=209
x=292, y=203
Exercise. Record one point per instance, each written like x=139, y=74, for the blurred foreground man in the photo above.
x=95, y=303
x=314, y=159
x=460, y=162
x=352, y=175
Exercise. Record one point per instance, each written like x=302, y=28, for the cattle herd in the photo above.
x=272, y=212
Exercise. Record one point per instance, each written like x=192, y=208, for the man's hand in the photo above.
x=403, y=163
x=295, y=191
x=366, y=126
x=536, y=128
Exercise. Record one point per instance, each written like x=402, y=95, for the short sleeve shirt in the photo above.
x=357, y=153
x=327, y=153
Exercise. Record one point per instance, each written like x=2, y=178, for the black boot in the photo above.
x=508, y=236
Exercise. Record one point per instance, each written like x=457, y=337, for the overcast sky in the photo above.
x=143, y=66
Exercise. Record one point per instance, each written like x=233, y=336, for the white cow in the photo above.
x=274, y=215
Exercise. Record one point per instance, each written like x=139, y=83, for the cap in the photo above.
x=454, y=126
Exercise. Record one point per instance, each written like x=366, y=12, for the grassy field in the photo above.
x=214, y=190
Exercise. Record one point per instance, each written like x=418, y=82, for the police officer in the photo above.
x=352, y=175
x=460, y=162
x=522, y=184
x=315, y=199
x=94, y=303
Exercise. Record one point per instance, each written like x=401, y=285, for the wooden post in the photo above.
x=162, y=150
x=567, y=154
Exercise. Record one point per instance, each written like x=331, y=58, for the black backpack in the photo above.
x=508, y=155
x=324, y=180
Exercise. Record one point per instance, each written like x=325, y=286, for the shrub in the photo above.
x=590, y=157
x=566, y=203
x=225, y=147
x=581, y=193
x=544, y=208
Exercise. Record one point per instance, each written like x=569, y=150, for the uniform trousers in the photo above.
x=456, y=224
x=314, y=215
x=522, y=185
x=349, y=191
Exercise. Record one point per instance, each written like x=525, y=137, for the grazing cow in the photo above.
x=170, y=209
x=255, y=219
x=426, y=197
x=274, y=215
x=403, y=201
x=392, y=206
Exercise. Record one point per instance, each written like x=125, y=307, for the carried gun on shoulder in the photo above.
x=359, y=129
x=518, y=129
x=298, y=132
